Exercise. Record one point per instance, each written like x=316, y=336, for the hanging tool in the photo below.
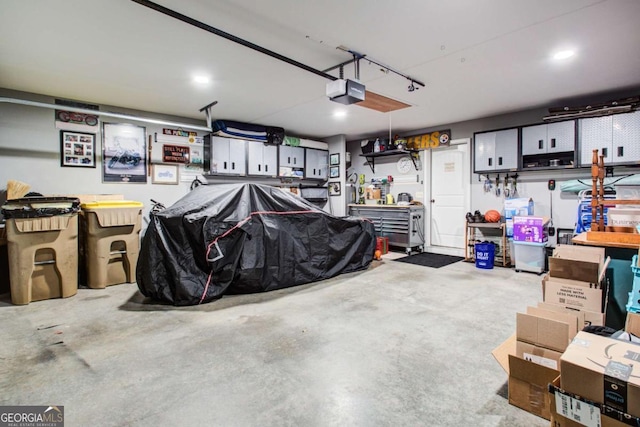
x=515, y=186
x=552, y=186
x=507, y=186
x=498, y=185
x=487, y=185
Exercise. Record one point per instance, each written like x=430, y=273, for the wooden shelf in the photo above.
x=413, y=154
x=502, y=257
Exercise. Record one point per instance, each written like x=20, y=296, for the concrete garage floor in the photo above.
x=397, y=344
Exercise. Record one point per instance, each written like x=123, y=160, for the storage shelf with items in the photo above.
x=495, y=232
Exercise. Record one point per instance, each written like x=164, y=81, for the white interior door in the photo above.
x=449, y=195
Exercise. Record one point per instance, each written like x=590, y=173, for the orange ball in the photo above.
x=492, y=216
x=377, y=254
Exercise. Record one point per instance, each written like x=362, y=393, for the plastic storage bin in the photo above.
x=633, y=304
x=110, y=241
x=485, y=255
x=42, y=238
x=529, y=256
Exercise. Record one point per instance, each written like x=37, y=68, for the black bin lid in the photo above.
x=38, y=207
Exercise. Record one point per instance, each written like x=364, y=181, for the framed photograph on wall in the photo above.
x=77, y=149
x=334, y=188
x=334, y=159
x=334, y=171
x=124, y=153
x=165, y=174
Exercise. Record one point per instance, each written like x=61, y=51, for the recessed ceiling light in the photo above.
x=563, y=54
x=339, y=114
x=201, y=79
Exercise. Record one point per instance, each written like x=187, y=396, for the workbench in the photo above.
x=403, y=225
x=619, y=275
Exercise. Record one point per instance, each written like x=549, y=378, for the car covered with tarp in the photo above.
x=245, y=238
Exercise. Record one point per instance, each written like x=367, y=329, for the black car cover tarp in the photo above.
x=244, y=238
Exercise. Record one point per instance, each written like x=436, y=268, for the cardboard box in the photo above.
x=528, y=384
x=532, y=229
x=624, y=217
x=590, y=318
x=603, y=370
x=572, y=293
x=528, y=381
x=573, y=262
x=567, y=407
x=633, y=324
x=540, y=355
x=546, y=329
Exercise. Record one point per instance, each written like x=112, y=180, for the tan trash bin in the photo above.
x=111, y=241
x=42, y=237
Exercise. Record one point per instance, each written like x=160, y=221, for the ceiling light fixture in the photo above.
x=563, y=54
x=201, y=79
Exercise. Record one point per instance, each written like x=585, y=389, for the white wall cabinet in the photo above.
x=496, y=151
x=262, y=159
x=549, y=138
x=292, y=157
x=225, y=156
x=316, y=164
x=615, y=137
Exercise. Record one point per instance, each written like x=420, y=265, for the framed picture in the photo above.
x=334, y=171
x=77, y=149
x=124, y=153
x=334, y=159
x=334, y=188
x=165, y=174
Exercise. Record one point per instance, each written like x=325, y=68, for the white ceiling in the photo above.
x=477, y=57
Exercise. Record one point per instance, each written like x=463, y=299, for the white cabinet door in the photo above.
x=270, y=159
x=595, y=133
x=626, y=138
x=255, y=158
x=561, y=137
x=534, y=140
x=484, y=149
x=506, y=151
x=237, y=157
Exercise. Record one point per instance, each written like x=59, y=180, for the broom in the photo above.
x=16, y=189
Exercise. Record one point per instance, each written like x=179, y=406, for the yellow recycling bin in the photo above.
x=110, y=241
x=42, y=239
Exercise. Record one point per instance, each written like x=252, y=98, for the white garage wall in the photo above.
x=30, y=152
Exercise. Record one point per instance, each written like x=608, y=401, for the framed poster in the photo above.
x=334, y=171
x=124, y=153
x=334, y=159
x=334, y=188
x=77, y=149
x=164, y=174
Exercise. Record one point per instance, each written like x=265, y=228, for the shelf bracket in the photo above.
x=371, y=161
x=413, y=159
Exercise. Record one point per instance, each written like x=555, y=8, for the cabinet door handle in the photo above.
x=266, y=168
x=553, y=143
x=621, y=151
x=288, y=159
x=294, y=160
x=604, y=151
x=259, y=168
x=499, y=161
x=233, y=165
x=314, y=171
x=540, y=144
x=225, y=165
x=490, y=161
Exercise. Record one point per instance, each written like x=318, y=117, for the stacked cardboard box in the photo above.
x=572, y=298
x=600, y=381
x=576, y=281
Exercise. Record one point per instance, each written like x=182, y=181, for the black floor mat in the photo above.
x=430, y=260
